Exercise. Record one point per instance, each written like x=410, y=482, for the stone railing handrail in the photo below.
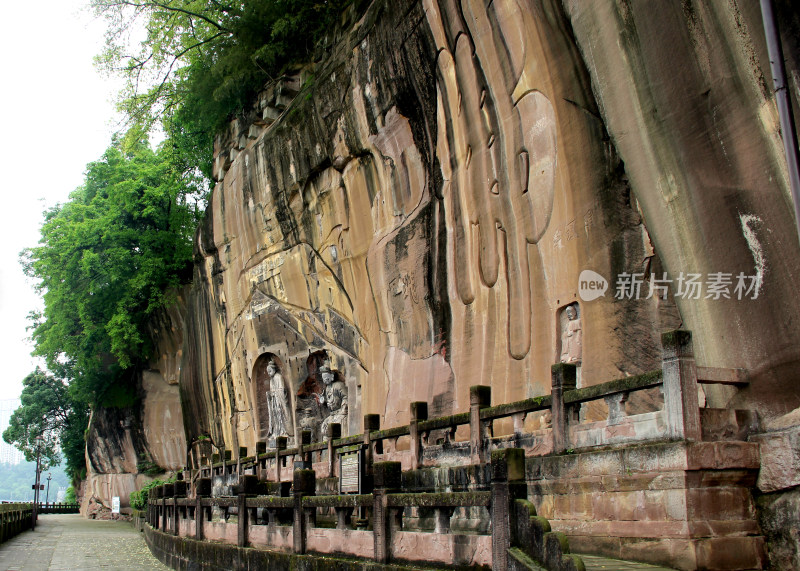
x=58, y=508
x=678, y=380
x=191, y=518
x=644, y=381
x=14, y=518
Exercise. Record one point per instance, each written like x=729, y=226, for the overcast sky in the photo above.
x=57, y=115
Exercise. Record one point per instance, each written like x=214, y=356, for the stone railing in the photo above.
x=431, y=442
x=265, y=499
x=14, y=519
x=58, y=508
x=288, y=524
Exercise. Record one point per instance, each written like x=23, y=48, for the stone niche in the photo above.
x=421, y=216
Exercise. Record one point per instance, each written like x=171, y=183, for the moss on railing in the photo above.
x=442, y=499
x=647, y=380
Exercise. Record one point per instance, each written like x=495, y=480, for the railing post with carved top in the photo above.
x=388, y=479
x=248, y=487
x=419, y=412
x=202, y=489
x=680, y=386
x=305, y=484
x=280, y=444
x=508, y=484
x=179, y=492
x=334, y=432
x=480, y=396
x=563, y=377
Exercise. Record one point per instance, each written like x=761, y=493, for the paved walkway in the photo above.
x=595, y=563
x=68, y=541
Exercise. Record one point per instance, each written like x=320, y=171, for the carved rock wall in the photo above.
x=420, y=213
x=686, y=93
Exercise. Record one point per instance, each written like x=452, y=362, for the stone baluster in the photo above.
x=387, y=479
x=480, y=396
x=419, y=412
x=616, y=407
x=508, y=484
x=563, y=377
x=442, y=517
x=343, y=515
x=305, y=484
x=334, y=433
x=680, y=386
x=519, y=422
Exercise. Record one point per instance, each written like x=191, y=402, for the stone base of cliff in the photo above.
x=189, y=554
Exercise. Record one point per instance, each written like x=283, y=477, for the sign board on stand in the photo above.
x=351, y=471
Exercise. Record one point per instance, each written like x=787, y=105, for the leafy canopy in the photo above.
x=192, y=64
x=106, y=261
x=48, y=411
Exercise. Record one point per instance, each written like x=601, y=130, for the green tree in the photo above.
x=47, y=410
x=108, y=259
x=202, y=61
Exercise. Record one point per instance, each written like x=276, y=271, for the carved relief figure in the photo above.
x=278, y=403
x=333, y=398
x=308, y=410
x=571, y=336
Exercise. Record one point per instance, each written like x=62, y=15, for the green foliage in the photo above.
x=47, y=410
x=107, y=260
x=148, y=467
x=71, y=497
x=202, y=61
x=16, y=481
x=139, y=498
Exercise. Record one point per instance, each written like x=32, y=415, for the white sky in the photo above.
x=56, y=116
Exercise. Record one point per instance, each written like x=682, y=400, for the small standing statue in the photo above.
x=334, y=398
x=571, y=337
x=277, y=403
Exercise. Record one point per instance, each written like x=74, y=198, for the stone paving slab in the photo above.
x=595, y=563
x=69, y=541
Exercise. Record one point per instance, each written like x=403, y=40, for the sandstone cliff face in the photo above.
x=419, y=215
x=686, y=93
x=126, y=447
x=415, y=212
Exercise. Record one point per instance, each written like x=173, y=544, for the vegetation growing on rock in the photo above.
x=107, y=260
x=202, y=61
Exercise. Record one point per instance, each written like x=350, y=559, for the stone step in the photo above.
x=597, y=563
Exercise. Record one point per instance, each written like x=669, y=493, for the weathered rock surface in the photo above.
x=420, y=214
x=126, y=447
x=417, y=215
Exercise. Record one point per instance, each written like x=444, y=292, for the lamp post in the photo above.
x=47, y=496
x=36, y=485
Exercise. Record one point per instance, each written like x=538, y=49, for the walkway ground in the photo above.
x=71, y=542
x=594, y=563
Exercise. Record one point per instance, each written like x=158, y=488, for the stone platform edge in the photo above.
x=182, y=553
